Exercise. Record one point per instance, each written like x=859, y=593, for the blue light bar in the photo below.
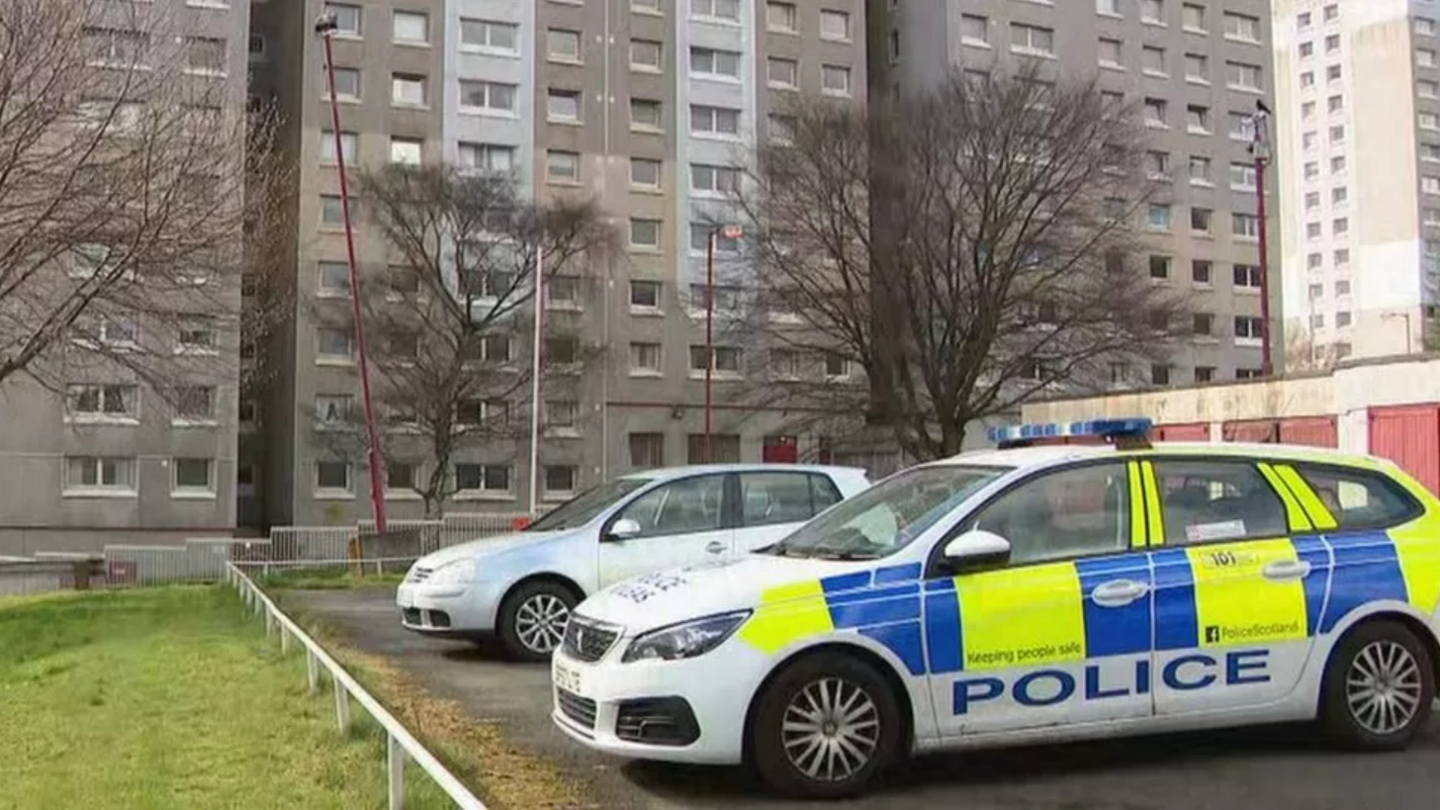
x=1103, y=428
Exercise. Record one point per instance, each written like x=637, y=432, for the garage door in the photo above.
x=1196, y=432
x=1263, y=431
x=1409, y=436
x=1316, y=431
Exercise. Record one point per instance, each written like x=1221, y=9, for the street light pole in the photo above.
x=709, y=339
x=1260, y=149
x=325, y=26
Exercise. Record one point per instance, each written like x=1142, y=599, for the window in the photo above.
x=563, y=105
x=1246, y=226
x=1425, y=57
x=1337, y=164
x=1152, y=11
x=333, y=344
x=560, y=479
x=400, y=476
x=562, y=167
x=117, y=331
x=1430, y=185
x=194, y=403
x=1152, y=60
x=1248, y=330
x=102, y=401
x=1424, y=26
x=700, y=240
x=1332, y=73
x=1302, y=21
x=332, y=476
x=562, y=45
x=1197, y=67
x=1335, y=104
x=1200, y=219
x=1340, y=226
x=770, y=498
x=1337, y=134
x=1032, y=39
x=781, y=127
x=347, y=18
x=1160, y=266
x=99, y=473
x=196, y=337
x=475, y=478
x=645, y=358
x=1204, y=374
x=1429, y=120
x=836, y=365
x=334, y=410
x=492, y=96
x=1155, y=112
x=646, y=6
x=561, y=413
x=714, y=179
x=1317, y=321
x=974, y=29
x=562, y=349
x=1312, y=201
x=1308, y=142
x=1246, y=276
x=1430, y=153
x=647, y=450
x=489, y=35
x=645, y=114
x=1206, y=501
x=1197, y=118
x=411, y=26
x=1160, y=216
x=719, y=9
x=645, y=233
x=1428, y=88
x=1201, y=271
x=1076, y=512
x=645, y=294
x=405, y=150
x=1243, y=27
x=645, y=54
x=407, y=89
x=1160, y=374
x=1314, y=261
x=683, y=507
x=1202, y=323
x=714, y=120
x=1111, y=54
x=1193, y=17
x=193, y=475
x=1242, y=176
x=1358, y=499
x=835, y=80
x=1316, y=291
x=348, y=142
x=645, y=173
x=1307, y=79
x=726, y=359
x=488, y=157
x=347, y=84
x=332, y=212
x=1342, y=320
x=782, y=72
x=1242, y=75
x=712, y=63
x=834, y=24
x=780, y=16
x=1307, y=50
x=1242, y=127
x=205, y=55
x=1342, y=288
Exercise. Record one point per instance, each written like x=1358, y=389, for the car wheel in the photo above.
x=825, y=727
x=1379, y=683
x=533, y=618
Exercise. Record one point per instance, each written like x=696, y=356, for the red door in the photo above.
x=780, y=450
x=1314, y=431
x=1409, y=435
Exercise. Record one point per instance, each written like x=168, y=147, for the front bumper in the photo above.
x=645, y=709
x=446, y=610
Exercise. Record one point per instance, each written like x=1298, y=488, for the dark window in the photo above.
x=1205, y=501
x=1074, y=512
x=685, y=506
x=726, y=445
x=1358, y=499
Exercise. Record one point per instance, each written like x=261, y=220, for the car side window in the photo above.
x=685, y=506
x=823, y=493
x=1359, y=499
x=768, y=498
x=1205, y=501
x=1074, y=512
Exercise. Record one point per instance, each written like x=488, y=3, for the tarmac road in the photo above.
x=1270, y=769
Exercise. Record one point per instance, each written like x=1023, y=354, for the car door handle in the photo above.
x=1285, y=570
x=715, y=547
x=1118, y=593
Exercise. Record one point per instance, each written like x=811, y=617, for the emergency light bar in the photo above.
x=1130, y=433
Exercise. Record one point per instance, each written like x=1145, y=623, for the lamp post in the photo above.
x=729, y=232
x=1260, y=150
x=325, y=26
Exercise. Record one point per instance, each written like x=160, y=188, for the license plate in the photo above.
x=568, y=679
x=404, y=598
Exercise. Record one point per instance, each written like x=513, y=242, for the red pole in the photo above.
x=709, y=335
x=1266, y=369
x=377, y=493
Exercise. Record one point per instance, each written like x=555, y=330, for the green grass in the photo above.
x=339, y=578
x=172, y=698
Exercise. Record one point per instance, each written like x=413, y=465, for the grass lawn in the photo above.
x=334, y=578
x=172, y=698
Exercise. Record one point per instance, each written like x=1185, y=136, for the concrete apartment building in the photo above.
x=1195, y=68
x=101, y=457
x=645, y=104
x=1358, y=91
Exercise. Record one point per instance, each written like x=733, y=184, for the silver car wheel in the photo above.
x=1383, y=687
x=540, y=623
x=831, y=729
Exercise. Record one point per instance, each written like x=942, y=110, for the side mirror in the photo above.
x=977, y=548
x=623, y=529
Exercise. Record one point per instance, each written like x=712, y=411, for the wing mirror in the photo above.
x=977, y=549
x=624, y=529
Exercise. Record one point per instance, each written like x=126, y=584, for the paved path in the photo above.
x=1271, y=769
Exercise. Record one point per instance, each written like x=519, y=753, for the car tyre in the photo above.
x=1378, y=688
x=532, y=619
x=814, y=722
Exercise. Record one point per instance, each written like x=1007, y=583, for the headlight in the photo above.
x=685, y=640
x=459, y=572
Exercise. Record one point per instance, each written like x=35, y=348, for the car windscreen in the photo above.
x=887, y=517
x=583, y=508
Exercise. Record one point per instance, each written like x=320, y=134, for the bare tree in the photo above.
x=963, y=249
x=444, y=321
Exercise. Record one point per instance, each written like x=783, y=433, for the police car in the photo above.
x=1024, y=594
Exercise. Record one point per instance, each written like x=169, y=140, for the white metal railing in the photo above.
x=399, y=742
